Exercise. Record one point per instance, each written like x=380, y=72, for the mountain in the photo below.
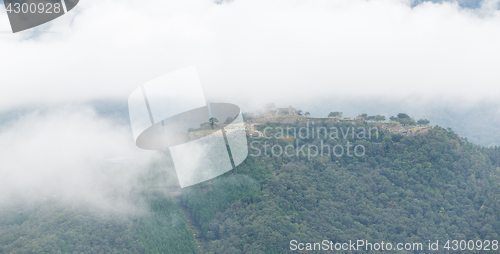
x=406, y=189
x=394, y=187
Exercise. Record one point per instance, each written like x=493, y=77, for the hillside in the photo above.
x=406, y=187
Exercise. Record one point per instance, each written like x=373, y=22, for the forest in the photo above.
x=406, y=188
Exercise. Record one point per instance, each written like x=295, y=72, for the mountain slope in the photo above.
x=404, y=189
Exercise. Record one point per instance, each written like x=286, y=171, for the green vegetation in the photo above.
x=164, y=230
x=407, y=188
x=405, y=120
x=62, y=226
x=423, y=122
x=335, y=114
x=377, y=118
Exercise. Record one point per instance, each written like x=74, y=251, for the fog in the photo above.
x=252, y=51
x=478, y=121
x=434, y=60
x=70, y=153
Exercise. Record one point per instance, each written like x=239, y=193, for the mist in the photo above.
x=478, y=121
x=434, y=60
x=250, y=52
x=71, y=154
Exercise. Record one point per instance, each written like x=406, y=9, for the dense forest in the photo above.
x=405, y=188
x=58, y=225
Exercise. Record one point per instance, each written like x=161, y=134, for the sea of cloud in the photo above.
x=70, y=153
x=247, y=52
x=255, y=51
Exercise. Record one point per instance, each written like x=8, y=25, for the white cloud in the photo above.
x=62, y=153
x=247, y=52
x=256, y=49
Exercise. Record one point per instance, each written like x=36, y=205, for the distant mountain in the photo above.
x=479, y=122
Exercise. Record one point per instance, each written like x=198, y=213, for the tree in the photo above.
x=205, y=126
x=423, y=122
x=403, y=116
x=364, y=116
x=335, y=114
x=379, y=118
x=307, y=114
x=403, y=119
x=213, y=121
x=299, y=112
x=407, y=121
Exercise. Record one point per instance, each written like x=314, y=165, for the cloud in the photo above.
x=255, y=51
x=314, y=54
x=67, y=154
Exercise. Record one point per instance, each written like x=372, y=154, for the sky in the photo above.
x=356, y=56
x=256, y=51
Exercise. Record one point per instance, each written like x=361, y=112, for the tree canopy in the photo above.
x=335, y=114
